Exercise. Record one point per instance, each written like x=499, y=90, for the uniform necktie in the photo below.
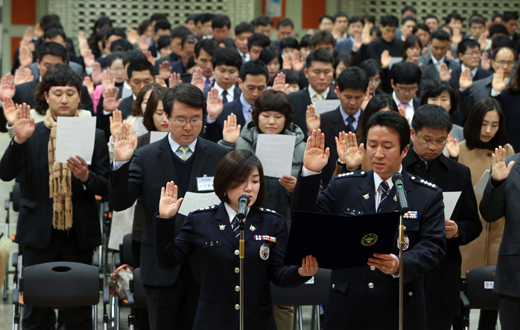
x=184, y=152
x=224, y=97
x=350, y=123
x=235, y=224
x=384, y=193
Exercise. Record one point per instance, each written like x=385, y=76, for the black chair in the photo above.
x=14, y=197
x=58, y=285
x=477, y=291
x=139, y=297
x=314, y=294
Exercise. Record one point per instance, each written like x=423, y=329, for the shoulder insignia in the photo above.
x=352, y=174
x=264, y=210
x=424, y=182
x=207, y=208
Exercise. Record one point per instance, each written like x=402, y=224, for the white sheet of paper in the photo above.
x=156, y=136
x=194, y=201
x=450, y=201
x=140, y=127
x=394, y=60
x=275, y=152
x=481, y=184
x=323, y=106
x=310, y=281
x=75, y=136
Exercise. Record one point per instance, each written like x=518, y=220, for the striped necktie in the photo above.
x=235, y=224
x=384, y=194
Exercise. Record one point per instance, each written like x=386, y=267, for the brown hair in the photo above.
x=156, y=95
x=136, y=105
x=233, y=170
x=272, y=100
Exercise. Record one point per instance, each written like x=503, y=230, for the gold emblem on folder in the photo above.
x=369, y=239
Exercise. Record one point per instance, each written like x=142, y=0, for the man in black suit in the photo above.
x=182, y=157
x=319, y=72
x=64, y=227
x=140, y=73
x=284, y=29
x=178, y=33
x=187, y=50
x=351, y=88
x=469, y=53
x=252, y=81
x=226, y=64
x=510, y=20
x=406, y=77
x=431, y=126
x=373, y=48
x=204, y=50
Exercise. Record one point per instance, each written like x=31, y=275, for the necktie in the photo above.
x=403, y=105
x=235, y=224
x=184, y=152
x=384, y=193
x=350, y=123
x=249, y=111
x=244, y=58
x=224, y=97
x=318, y=96
x=207, y=84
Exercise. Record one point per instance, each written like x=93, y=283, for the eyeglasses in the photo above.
x=475, y=54
x=184, y=121
x=432, y=143
x=504, y=63
x=409, y=90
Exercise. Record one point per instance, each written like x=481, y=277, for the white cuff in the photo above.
x=88, y=71
x=306, y=172
x=494, y=93
x=118, y=164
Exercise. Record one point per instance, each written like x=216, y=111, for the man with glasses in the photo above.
x=469, y=54
x=431, y=125
x=184, y=158
x=406, y=77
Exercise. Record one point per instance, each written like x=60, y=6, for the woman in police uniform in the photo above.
x=209, y=232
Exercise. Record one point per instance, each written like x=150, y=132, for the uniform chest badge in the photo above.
x=406, y=243
x=222, y=227
x=365, y=196
x=264, y=252
x=252, y=228
x=395, y=198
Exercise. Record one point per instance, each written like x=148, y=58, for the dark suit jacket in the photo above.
x=236, y=93
x=455, y=76
x=479, y=90
x=216, y=308
x=300, y=100
x=103, y=121
x=442, y=283
x=25, y=93
x=178, y=67
x=351, y=300
x=430, y=72
x=29, y=162
x=148, y=171
x=344, y=46
x=170, y=58
x=501, y=199
x=214, y=130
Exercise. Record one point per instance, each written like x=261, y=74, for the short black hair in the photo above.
x=346, y=59
x=291, y=76
x=273, y=100
x=476, y=20
x=435, y=88
x=356, y=19
x=143, y=26
x=254, y=68
x=408, y=8
x=371, y=68
x=189, y=39
x=61, y=75
x=322, y=17
x=180, y=32
x=421, y=26
x=258, y=39
x=497, y=28
x=408, y=18
x=509, y=15
x=305, y=41
x=501, y=41
x=270, y=53
x=431, y=16
x=389, y=20
x=190, y=17
x=46, y=19
x=322, y=37
x=447, y=27
x=473, y=125
x=289, y=42
x=162, y=24
x=353, y=78
x=206, y=17
x=394, y=121
x=467, y=43
x=220, y=21
x=263, y=20
x=185, y=93
x=208, y=45
x=53, y=33
x=52, y=48
x=134, y=55
x=117, y=32
x=495, y=16
x=319, y=55
x=285, y=22
x=440, y=35
x=226, y=56
x=164, y=41
x=244, y=27
x=375, y=30
x=407, y=73
x=370, y=18
x=114, y=56
x=431, y=116
x=456, y=16
x=376, y=103
x=340, y=14
x=121, y=45
x=138, y=66
x=157, y=17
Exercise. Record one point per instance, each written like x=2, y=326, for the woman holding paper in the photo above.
x=210, y=232
x=484, y=131
x=272, y=114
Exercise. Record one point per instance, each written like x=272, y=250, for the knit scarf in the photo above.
x=59, y=181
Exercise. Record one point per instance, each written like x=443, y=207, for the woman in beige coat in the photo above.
x=484, y=131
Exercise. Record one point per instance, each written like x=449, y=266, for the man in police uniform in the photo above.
x=367, y=297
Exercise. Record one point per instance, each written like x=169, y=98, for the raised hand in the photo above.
x=297, y=61
x=197, y=79
x=500, y=171
x=107, y=80
x=110, y=101
x=175, y=78
x=27, y=37
x=286, y=62
x=402, y=112
x=158, y=80
x=116, y=120
x=367, y=99
x=83, y=44
x=144, y=45
x=124, y=143
x=26, y=56
x=453, y=146
x=279, y=82
x=313, y=121
x=341, y=145
x=482, y=39
x=149, y=56
x=365, y=35
x=309, y=266
x=385, y=59
x=133, y=36
x=78, y=167
x=499, y=81
x=96, y=73
x=23, y=124
x=165, y=70
x=444, y=73
x=316, y=156
x=38, y=31
x=288, y=182
x=169, y=204
x=89, y=59
x=465, y=80
x=87, y=82
x=7, y=86
x=22, y=75
x=352, y=153
x=449, y=54
x=9, y=110
x=485, y=62
x=214, y=104
x=231, y=131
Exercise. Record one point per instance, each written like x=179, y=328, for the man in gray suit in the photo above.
x=432, y=62
x=501, y=199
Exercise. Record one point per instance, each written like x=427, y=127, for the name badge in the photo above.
x=209, y=244
x=205, y=183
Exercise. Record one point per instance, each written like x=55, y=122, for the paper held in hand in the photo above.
x=481, y=184
x=450, y=201
x=75, y=136
x=194, y=201
x=323, y=106
x=275, y=152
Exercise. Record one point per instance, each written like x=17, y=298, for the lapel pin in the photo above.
x=395, y=198
x=365, y=196
x=222, y=227
x=252, y=228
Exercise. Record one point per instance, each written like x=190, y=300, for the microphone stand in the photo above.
x=401, y=271
x=241, y=255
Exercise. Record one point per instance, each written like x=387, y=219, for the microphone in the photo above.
x=243, y=202
x=397, y=179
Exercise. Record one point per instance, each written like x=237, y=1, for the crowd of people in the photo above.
x=417, y=95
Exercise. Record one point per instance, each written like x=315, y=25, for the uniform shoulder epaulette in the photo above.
x=424, y=182
x=207, y=208
x=264, y=210
x=353, y=174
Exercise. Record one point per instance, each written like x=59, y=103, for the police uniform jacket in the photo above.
x=208, y=232
x=364, y=297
